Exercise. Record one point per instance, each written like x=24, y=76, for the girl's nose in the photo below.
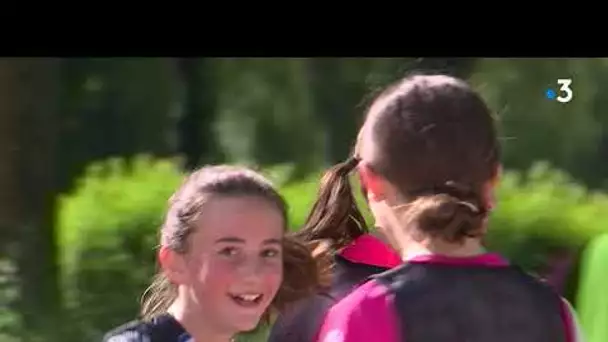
x=250, y=268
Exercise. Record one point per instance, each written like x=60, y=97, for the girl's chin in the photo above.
x=246, y=325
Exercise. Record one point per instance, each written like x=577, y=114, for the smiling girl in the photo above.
x=225, y=261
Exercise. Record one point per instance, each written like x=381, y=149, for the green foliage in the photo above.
x=592, y=300
x=108, y=233
x=543, y=211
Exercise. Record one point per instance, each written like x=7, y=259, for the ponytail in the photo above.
x=451, y=211
x=158, y=297
x=334, y=221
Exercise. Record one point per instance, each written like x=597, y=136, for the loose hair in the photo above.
x=300, y=275
x=434, y=139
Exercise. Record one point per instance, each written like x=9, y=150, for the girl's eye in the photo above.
x=270, y=253
x=228, y=251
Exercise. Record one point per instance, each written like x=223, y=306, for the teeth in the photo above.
x=249, y=297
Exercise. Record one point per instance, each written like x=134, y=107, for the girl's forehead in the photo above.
x=246, y=217
x=220, y=204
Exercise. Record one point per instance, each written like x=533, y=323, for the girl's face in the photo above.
x=234, y=265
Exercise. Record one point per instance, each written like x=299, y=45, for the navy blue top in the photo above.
x=163, y=328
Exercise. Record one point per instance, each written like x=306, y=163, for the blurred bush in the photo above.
x=543, y=213
x=109, y=228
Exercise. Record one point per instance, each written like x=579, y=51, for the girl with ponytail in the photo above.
x=429, y=160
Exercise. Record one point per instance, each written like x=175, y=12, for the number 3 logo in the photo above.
x=565, y=89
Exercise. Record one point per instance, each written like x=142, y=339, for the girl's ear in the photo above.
x=371, y=182
x=173, y=265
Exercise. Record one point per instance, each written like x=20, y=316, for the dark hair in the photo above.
x=185, y=207
x=334, y=220
x=432, y=137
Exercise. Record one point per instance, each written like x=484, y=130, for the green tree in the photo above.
x=115, y=107
x=30, y=146
x=196, y=124
x=535, y=128
x=265, y=113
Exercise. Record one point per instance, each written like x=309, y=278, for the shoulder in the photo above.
x=372, y=294
x=134, y=331
x=541, y=286
x=365, y=314
x=161, y=328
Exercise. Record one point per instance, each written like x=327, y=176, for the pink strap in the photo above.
x=486, y=259
x=368, y=249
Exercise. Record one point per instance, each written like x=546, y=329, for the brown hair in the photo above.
x=185, y=207
x=334, y=220
x=433, y=138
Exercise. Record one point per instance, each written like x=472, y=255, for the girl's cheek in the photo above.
x=227, y=265
x=273, y=263
x=217, y=268
x=274, y=270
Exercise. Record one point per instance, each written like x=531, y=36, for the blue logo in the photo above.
x=565, y=92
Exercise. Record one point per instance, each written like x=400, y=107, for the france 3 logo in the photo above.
x=564, y=94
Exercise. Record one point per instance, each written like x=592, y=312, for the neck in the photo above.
x=199, y=328
x=470, y=247
x=379, y=235
x=386, y=238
